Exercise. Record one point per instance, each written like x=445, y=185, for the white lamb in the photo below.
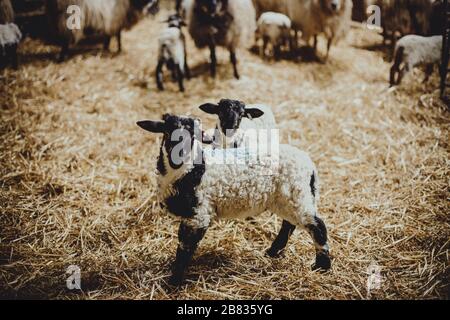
x=413, y=51
x=275, y=29
x=237, y=123
x=172, y=52
x=199, y=193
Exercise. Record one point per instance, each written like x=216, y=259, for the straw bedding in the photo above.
x=78, y=184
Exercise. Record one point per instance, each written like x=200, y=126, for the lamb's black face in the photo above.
x=332, y=6
x=175, y=21
x=230, y=113
x=179, y=136
x=147, y=6
x=211, y=7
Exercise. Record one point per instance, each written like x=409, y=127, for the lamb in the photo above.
x=199, y=192
x=274, y=28
x=104, y=17
x=413, y=51
x=10, y=37
x=314, y=17
x=234, y=121
x=6, y=12
x=172, y=52
x=227, y=23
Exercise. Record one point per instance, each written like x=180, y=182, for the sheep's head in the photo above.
x=332, y=6
x=146, y=6
x=175, y=21
x=179, y=135
x=231, y=113
x=211, y=7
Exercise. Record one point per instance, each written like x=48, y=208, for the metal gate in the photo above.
x=445, y=84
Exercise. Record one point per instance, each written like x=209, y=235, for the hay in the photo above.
x=78, y=188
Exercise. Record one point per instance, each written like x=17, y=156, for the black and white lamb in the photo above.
x=106, y=18
x=199, y=192
x=10, y=37
x=414, y=51
x=236, y=123
x=172, y=52
x=227, y=23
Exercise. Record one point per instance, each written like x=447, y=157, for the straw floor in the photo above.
x=78, y=185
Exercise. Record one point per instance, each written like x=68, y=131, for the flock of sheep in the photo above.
x=192, y=189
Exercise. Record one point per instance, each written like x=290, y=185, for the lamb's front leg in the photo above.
x=318, y=232
x=188, y=237
x=281, y=240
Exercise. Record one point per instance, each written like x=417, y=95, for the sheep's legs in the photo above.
x=180, y=77
x=187, y=71
x=212, y=49
x=428, y=72
x=264, y=47
x=189, y=238
x=234, y=62
x=64, y=51
x=106, y=43
x=159, y=75
x=119, y=42
x=394, y=71
x=281, y=240
x=318, y=232
x=15, y=61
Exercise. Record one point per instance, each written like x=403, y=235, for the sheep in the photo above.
x=274, y=28
x=262, y=6
x=6, y=12
x=413, y=51
x=10, y=37
x=104, y=17
x=198, y=192
x=234, y=121
x=227, y=23
x=314, y=17
x=172, y=52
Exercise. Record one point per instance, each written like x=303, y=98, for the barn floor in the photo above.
x=78, y=184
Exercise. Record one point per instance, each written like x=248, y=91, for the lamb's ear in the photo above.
x=152, y=126
x=253, y=113
x=210, y=108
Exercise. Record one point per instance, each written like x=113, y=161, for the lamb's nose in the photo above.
x=334, y=6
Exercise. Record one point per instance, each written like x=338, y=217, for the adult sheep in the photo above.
x=227, y=23
x=313, y=17
x=103, y=17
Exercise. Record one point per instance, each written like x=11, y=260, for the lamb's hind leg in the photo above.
x=281, y=240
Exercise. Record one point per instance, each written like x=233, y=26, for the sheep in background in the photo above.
x=413, y=51
x=262, y=6
x=197, y=189
x=6, y=12
x=172, y=52
x=234, y=119
x=10, y=37
x=104, y=17
x=313, y=17
x=274, y=28
x=227, y=23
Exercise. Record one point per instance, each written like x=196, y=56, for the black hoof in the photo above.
x=323, y=263
x=272, y=253
x=175, y=282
